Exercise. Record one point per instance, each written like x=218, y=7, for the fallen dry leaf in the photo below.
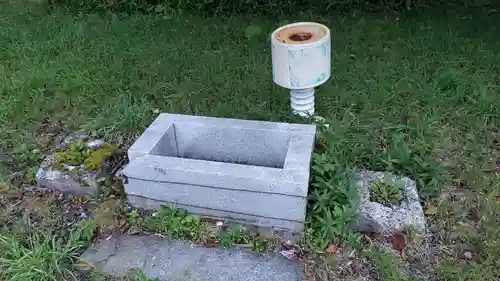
x=431, y=210
x=347, y=272
x=83, y=265
x=398, y=242
x=289, y=254
x=122, y=226
x=212, y=243
x=332, y=248
x=133, y=230
x=117, y=188
x=356, y=267
x=97, y=234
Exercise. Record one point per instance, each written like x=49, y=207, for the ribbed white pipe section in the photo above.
x=302, y=101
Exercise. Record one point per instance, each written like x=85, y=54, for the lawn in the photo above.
x=414, y=93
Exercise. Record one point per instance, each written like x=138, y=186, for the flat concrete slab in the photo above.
x=178, y=261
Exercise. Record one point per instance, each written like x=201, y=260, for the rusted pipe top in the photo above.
x=301, y=34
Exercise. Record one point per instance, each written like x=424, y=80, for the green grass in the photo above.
x=175, y=223
x=42, y=255
x=415, y=94
x=386, y=265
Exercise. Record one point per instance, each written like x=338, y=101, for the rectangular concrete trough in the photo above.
x=251, y=171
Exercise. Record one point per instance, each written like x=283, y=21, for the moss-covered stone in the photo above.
x=78, y=154
x=96, y=158
x=77, y=167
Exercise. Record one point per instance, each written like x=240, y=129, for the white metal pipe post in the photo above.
x=301, y=56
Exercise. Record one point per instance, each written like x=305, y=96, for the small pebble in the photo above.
x=467, y=255
x=129, y=209
x=95, y=144
x=69, y=167
x=71, y=138
x=356, y=267
x=289, y=254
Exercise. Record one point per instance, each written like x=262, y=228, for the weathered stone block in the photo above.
x=74, y=179
x=225, y=168
x=379, y=218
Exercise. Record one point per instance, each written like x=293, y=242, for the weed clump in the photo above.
x=235, y=234
x=386, y=193
x=74, y=155
x=176, y=223
x=386, y=265
x=42, y=255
